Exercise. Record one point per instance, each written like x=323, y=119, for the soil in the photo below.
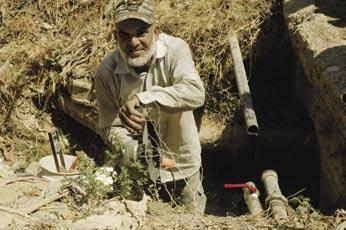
x=61, y=214
x=318, y=33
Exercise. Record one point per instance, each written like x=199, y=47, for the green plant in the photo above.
x=304, y=210
x=131, y=179
x=93, y=190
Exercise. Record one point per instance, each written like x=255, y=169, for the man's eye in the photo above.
x=123, y=35
x=141, y=33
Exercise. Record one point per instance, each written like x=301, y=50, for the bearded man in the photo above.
x=151, y=76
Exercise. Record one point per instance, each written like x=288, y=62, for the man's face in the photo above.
x=136, y=39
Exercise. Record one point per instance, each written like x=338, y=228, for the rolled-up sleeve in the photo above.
x=109, y=125
x=185, y=90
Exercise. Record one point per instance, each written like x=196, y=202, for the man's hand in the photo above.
x=167, y=163
x=132, y=119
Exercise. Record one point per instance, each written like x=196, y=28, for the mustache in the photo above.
x=130, y=50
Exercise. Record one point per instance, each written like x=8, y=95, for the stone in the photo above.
x=5, y=220
x=116, y=206
x=138, y=209
x=100, y=222
x=34, y=168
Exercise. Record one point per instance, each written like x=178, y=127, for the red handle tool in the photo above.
x=252, y=189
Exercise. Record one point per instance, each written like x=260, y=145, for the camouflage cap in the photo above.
x=140, y=9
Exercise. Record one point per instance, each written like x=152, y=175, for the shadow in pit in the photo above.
x=336, y=58
x=80, y=137
x=332, y=8
x=327, y=103
x=292, y=152
x=292, y=6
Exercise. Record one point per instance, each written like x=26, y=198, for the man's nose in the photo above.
x=134, y=42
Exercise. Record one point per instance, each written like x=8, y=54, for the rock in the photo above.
x=11, y=221
x=100, y=222
x=5, y=221
x=5, y=170
x=45, y=216
x=53, y=188
x=8, y=196
x=138, y=209
x=64, y=224
x=18, y=166
x=116, y=206
x=119, y=215
x=60, y=211
x=33, y=168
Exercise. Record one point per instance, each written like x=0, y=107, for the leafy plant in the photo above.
x=131, y=181
x=93, y=189
x=304, y=210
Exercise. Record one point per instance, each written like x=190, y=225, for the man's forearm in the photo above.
x=183, y=96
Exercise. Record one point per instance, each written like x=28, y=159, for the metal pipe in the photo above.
x=275, y=200
x=243, y=87
x=54, y=140
x=252, y=200
x=51, y=132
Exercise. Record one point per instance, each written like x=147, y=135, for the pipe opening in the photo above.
x=252, y=130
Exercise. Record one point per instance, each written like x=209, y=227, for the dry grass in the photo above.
x=47, y=42
x=205, y=25
x=181, y=218
x=40, y=46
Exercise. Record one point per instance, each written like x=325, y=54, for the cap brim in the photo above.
x=128, y=15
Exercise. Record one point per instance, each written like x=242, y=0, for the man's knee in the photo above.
x=193, y=193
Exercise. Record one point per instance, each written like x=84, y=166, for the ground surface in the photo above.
x=19, y=197
x=318, y=33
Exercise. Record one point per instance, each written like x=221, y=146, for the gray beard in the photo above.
x=143, y=59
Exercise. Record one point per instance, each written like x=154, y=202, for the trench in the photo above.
x=286, y=142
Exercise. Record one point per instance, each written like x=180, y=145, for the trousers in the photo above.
x=188, y=192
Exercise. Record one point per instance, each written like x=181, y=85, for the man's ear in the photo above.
x=157, y=30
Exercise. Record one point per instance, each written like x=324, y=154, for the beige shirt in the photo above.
x=169, y=92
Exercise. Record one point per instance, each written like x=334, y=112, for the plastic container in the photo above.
x=49, y=170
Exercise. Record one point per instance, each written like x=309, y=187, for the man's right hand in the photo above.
x=167, y=163
x=132, y=119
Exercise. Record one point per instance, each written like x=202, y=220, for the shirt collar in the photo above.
x=161, y=49
x=122, y=66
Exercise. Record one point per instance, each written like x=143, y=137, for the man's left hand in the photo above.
x=132, y=119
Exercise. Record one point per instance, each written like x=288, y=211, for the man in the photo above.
x=151, y=76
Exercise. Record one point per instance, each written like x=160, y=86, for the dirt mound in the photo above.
x=318, y=34
x=45, y=44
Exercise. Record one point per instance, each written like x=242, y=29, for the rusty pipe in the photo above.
x=243, y=87
x=275, y=200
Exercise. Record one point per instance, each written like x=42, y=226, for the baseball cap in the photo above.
x=140, y=9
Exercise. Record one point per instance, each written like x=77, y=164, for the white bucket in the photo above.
x=49, y=169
